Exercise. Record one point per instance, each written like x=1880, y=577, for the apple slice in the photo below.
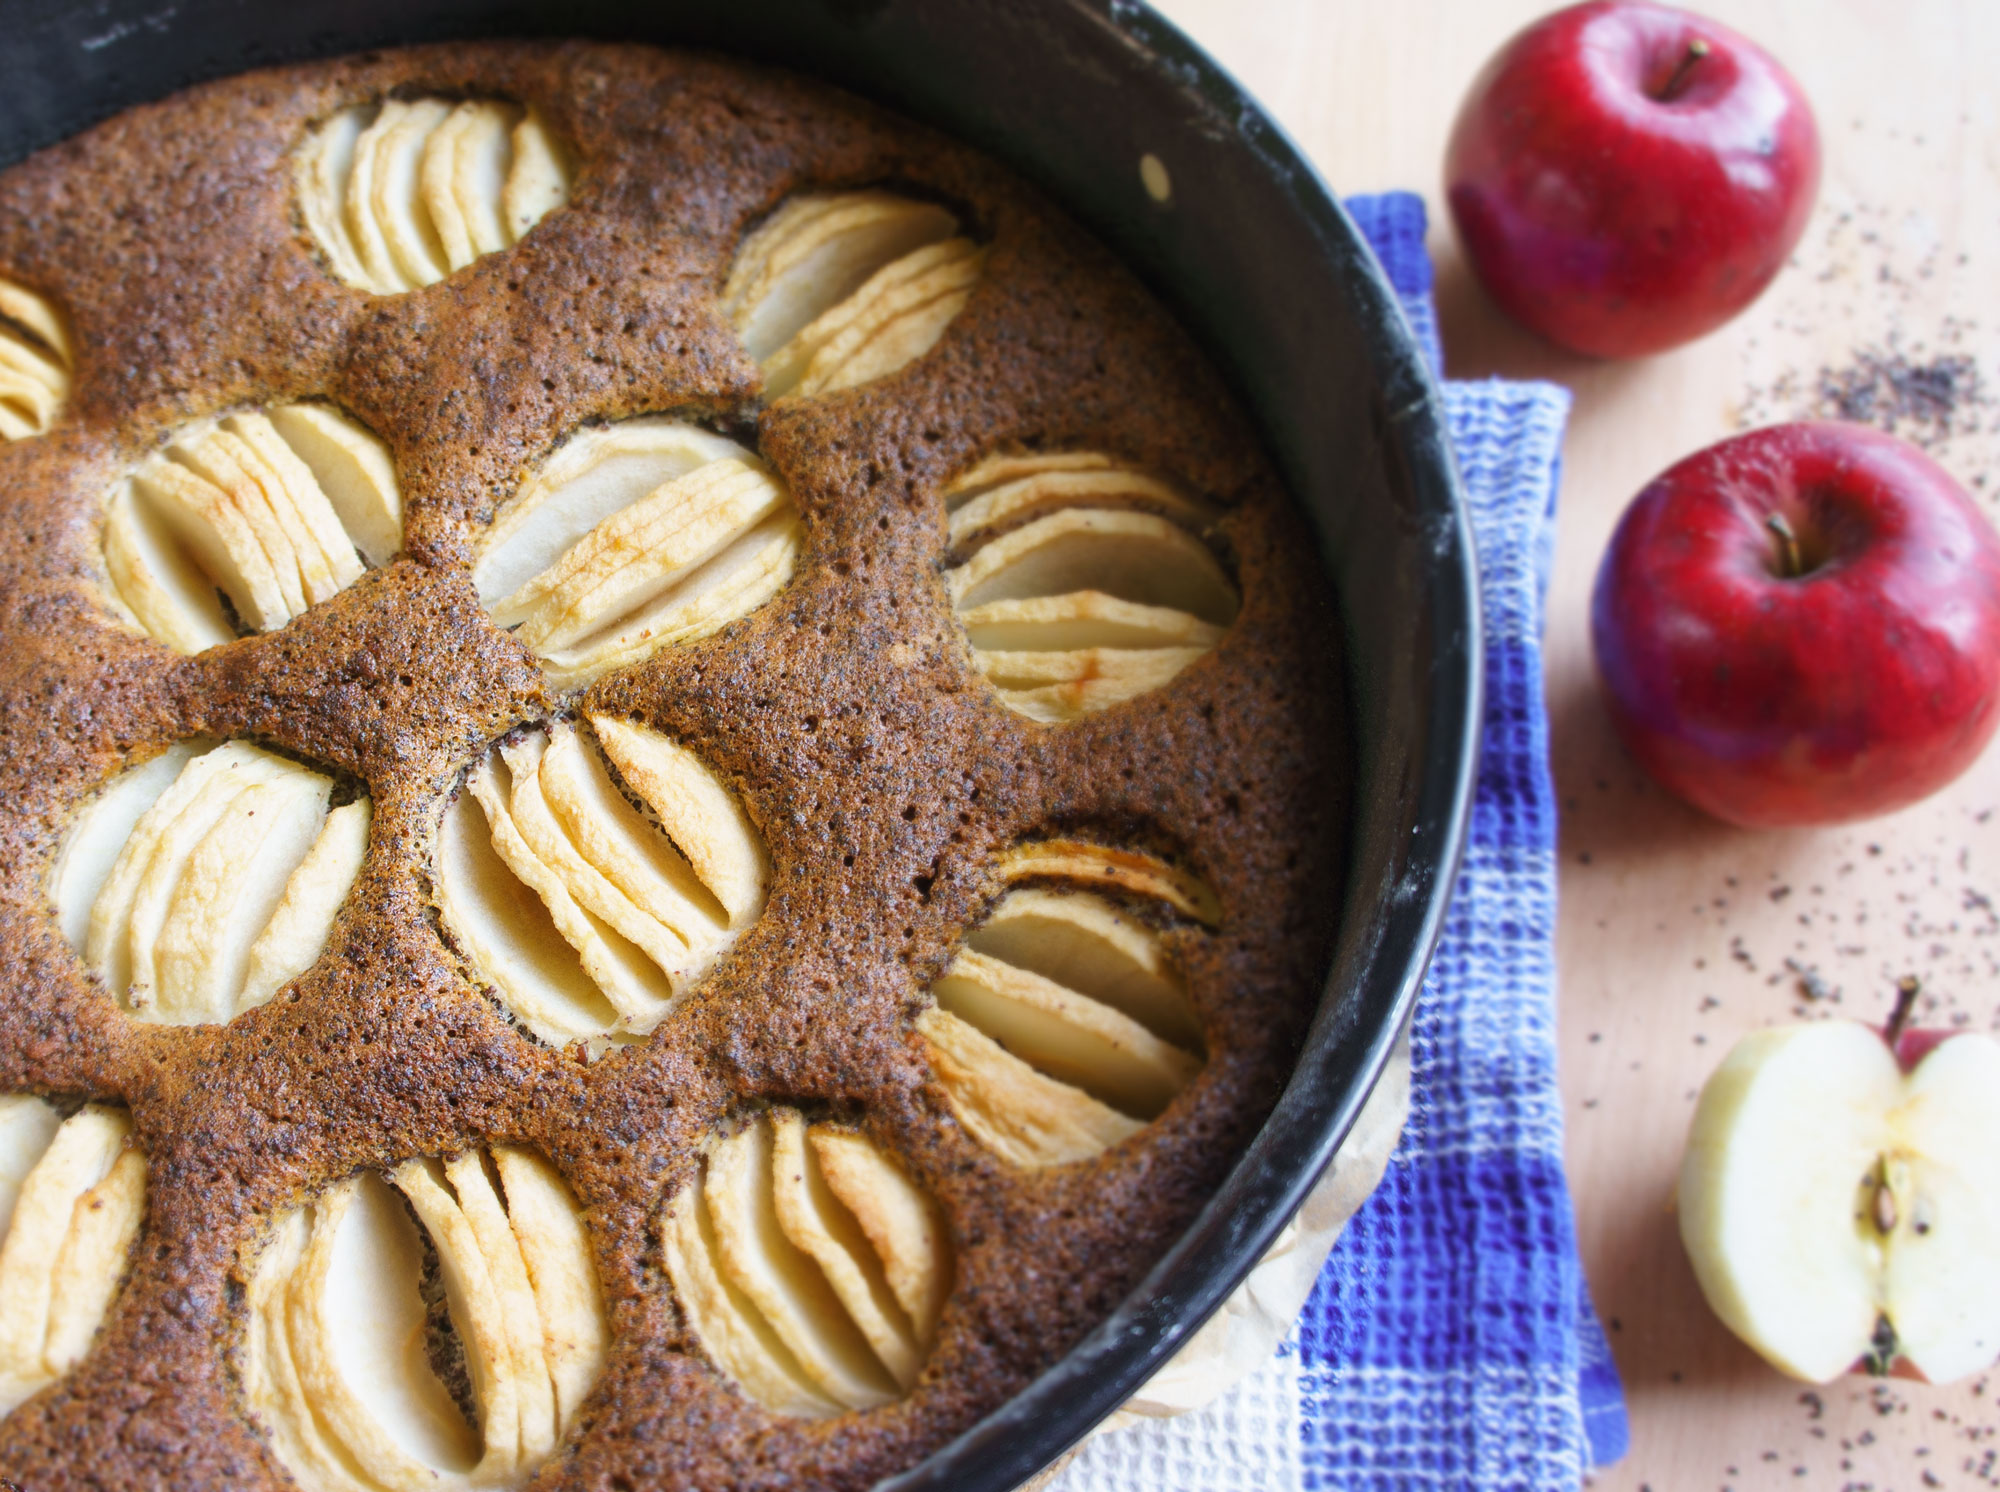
x=155, y=582
x=1025, y=1118
x=508, y=937
x=1108, y=867
x=813, y=253
x=1063, y=1024
x=538, y=180
x=637, y=988
x=92, y=846
x=599, y=472
x=340, y=1347
x=354, y=472
x=783, y=1283
x=226, y=893
x=634, y=537
x=635, y=555
x=699, y=814
x=1838, y=1209
x=60, y=1263
x=319, y=180
x=1081, y=583
x=811, y=1217
x=893, y=319
x=900, y=1223
x=622, y=844
x=34, y=362
x=810, y=1266
x=395, y=237
x=298, y=928
x=399, y=195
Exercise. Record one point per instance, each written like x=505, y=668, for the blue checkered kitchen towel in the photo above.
x=1450, y=1342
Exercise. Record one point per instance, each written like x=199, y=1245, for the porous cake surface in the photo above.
x=891, y=775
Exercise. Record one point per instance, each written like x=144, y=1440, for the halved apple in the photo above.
x=400, y=194
x=591, y=911
x=835, y=290
x=200, y=882
x=1081, y=582
x=72, y=1192
x=1063, y=1025
x=811, y=1267
x=633, y=537
x=34, y=362
x=341, y=1360
x=1840, y=1210
x=265, y=506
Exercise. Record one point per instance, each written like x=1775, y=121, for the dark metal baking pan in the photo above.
x=1258, y=260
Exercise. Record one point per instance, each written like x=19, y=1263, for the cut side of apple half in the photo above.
x=1063, y=1026
x=72, y=1192
x=634, y=537
x=276, y=509
x=34, y=362
x=1081, y=582
x=399, y=194
x=436, y=1328
x=1840, y=1211
x=200, y=883
x=839, y=289
x=810, y=1266
x=590, y=903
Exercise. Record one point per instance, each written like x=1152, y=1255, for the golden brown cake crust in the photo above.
x=847, y=713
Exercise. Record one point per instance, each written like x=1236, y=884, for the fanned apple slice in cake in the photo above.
x=363, y=1386
x=810, y=1266
x=201, y=882
x=400, y=194
x=1064, y=1025
x=839, y=289
x=277, y=509
x=634, y=537
x=1081, y=582
x=590, y=911
x=34, y=362
x=72, y=1192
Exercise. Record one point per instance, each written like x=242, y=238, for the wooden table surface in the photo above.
x=1678, y=934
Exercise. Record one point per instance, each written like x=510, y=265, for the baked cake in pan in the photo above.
x=671, y=782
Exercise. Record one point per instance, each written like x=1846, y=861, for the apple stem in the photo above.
x=1791, y=564
x=1671, y=89
x=1882, y=1349
x=1907, y=989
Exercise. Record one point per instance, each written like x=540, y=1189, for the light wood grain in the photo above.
x=1675, y=931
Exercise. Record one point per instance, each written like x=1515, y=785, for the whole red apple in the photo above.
x=1628, y=176
x=1802, y=625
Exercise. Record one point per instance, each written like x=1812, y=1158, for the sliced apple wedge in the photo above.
x=1063, y=1024
x=815, y=1285
x=398, y=195
x=354, y=472
x=1082, y=583
x=200, y=882
x=550, y=852
x=73, y=1192
x=34, y=362
x=836, y=290
x=632, y=537
x=268, y=507
x=340, y=1347
x=1840, y=1210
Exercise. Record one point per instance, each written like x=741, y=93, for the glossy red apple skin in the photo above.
x=1848, y=691
x=1614, y=222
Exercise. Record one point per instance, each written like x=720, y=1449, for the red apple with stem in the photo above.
x=1627, y=176
x=1801, y=625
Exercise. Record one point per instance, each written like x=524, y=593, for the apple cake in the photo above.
x=672, y=783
